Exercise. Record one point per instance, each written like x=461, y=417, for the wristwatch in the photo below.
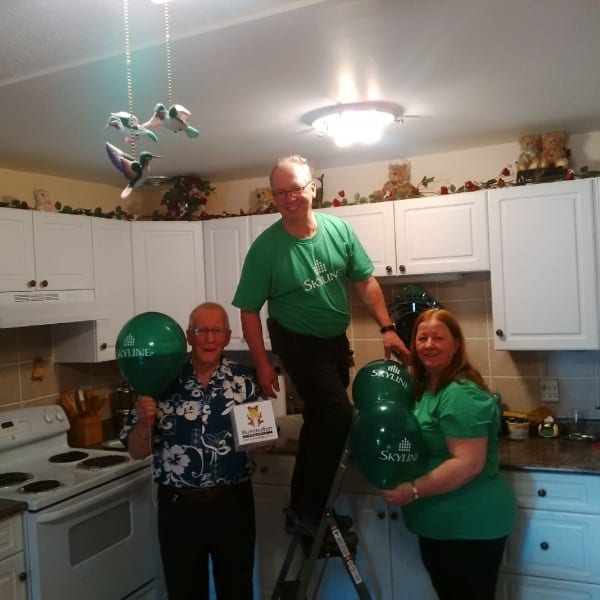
x=388, y=328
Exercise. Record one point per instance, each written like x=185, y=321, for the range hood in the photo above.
x=24, y=309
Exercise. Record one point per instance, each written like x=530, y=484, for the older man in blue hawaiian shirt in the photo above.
x=205, y=501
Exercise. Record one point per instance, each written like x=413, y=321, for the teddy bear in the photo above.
x=554, y=153
x=264, y=200
x=531, y=148
x=398, y=184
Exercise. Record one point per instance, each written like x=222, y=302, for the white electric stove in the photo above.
x=90, y=523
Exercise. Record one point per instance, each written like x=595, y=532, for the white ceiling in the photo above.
x=467, y=73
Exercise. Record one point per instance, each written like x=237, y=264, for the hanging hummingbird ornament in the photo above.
x=124, y=120
x=173, y=119
x=136, y=171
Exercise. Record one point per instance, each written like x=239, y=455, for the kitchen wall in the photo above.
x=516, y=375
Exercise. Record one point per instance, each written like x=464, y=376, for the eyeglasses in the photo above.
x=206, y=331
x=294, y=192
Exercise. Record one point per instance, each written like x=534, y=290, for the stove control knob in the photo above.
x=60, y=416
x=48, y=418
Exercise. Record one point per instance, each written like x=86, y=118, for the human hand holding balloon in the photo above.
x=146, y=411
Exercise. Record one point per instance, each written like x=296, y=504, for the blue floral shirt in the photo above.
x=193, y=436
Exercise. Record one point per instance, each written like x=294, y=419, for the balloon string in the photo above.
x=168, y=53
x=153, y=484
x=128, y=70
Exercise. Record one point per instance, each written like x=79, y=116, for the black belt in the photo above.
x=174, y=494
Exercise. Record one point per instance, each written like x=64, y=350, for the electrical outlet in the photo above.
x=549, y=390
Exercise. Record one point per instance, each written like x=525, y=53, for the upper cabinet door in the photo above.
x=63, y=251
x=374, y=227
x=17, y=264
x=226, y=242
x=168, y=267
x=543, y=266
x=445, y=234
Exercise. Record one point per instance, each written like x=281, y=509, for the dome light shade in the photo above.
x=358, y=122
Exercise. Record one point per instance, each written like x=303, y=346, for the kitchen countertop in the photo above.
x=534, y=453
x=8, y=508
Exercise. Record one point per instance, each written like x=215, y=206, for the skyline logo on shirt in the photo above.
x=322, y=276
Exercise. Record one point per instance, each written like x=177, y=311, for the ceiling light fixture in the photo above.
x=355, y=122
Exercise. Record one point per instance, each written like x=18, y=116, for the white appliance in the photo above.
x=90, y=523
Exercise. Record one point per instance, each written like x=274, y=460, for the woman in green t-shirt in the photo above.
x=460, y=506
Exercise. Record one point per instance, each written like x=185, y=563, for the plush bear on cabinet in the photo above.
x=554, y=153
x=264, y=200
x=531, y=149
x=398, y=184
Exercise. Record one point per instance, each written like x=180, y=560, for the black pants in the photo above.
x=463, y=569
x=319, y=371
x=190, y=531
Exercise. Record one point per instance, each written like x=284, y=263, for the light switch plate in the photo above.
x=549, y=390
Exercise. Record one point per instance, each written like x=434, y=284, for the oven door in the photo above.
x=99, y=545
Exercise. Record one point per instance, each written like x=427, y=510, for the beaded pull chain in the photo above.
x=128, y=71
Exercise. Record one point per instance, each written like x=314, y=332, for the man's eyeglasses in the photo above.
x=206, y=331
x=294, y=192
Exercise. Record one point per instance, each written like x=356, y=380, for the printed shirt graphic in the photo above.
x=194, y=445
x=304, y=281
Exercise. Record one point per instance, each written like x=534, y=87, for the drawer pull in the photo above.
x=380, y=515
x=544, y=545
x=394, y=516
x=103, y=346
x=22, y=576
x=541, y=492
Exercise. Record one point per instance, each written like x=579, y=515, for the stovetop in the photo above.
x=37, y=465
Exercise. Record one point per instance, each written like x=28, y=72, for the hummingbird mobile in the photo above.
x=173, y=118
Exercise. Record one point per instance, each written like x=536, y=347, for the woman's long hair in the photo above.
x=459, y=368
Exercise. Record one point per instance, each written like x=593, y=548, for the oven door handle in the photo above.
x=113, y=492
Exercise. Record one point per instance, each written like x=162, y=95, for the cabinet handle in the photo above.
x=103, y=346
x=380, y=515
x=22, y=576
x=44, y=283
x=541, y=492
x=31, y=283
x=544, y=545
x=499, y=333
x=394, y=516
x=402, y=268
x=388, y=269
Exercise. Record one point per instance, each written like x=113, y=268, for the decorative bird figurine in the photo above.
x=135, y=171
x=173, y=119
x=123, y=120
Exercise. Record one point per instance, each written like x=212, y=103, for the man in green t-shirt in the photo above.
x=300, y=266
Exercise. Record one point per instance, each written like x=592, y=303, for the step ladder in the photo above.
x=312, y=551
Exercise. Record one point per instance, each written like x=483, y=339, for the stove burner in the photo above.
x=100, y=462
x=8, y=479
x=68, y=457
x=39, y=486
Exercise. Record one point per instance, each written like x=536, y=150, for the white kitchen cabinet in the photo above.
x=226, y=242
x=373, y=224
x=94, y=341
x=168, y=267
x=553, y=550
x=45, y=251
x=13, y=580
x=544, y=266
x=442, y=234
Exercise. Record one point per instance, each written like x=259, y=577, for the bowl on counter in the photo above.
x=518, y=429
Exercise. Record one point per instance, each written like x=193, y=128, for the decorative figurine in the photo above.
x=173, y=119
x=42, y=201
x=135, y=171
x=123, y=120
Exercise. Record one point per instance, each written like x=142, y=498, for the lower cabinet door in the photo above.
x=553, y=544
x=13, y=584
x=521, y=587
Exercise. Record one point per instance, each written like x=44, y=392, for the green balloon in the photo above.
x=383, y=381
x=386, y=443
x=150, y=351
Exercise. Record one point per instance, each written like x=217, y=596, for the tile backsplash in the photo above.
x=515, y=375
